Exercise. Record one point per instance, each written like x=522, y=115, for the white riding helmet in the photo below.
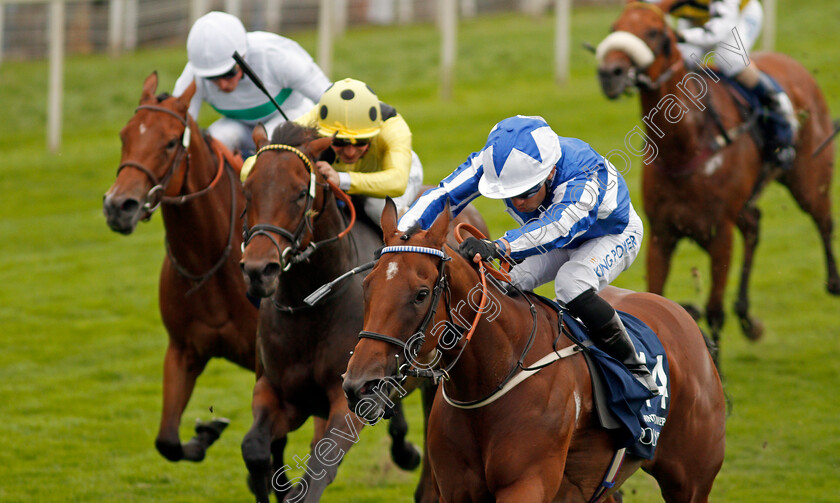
x=212, y=41
x=520, y=154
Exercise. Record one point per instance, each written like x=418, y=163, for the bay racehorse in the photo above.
x=708, y=168
x=297, y=239
x=540, y=441
x=166, y=162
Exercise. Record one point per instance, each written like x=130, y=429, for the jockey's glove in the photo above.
x=484, y=247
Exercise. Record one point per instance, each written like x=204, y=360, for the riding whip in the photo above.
x=253, y=76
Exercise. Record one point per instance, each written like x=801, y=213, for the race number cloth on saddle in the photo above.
x=637, y=418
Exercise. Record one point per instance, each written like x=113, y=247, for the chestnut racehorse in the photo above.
x=540, y=441
x=166, y=161
x=693, y=190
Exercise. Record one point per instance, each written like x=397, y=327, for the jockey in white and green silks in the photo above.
x=285, y=68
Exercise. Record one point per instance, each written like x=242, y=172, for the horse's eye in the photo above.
x=172, y=143
x=651, y=34
x=302, y=194
x=421, y=296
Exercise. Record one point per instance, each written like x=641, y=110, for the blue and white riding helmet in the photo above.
x=519, y=154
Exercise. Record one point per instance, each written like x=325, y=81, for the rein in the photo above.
x=517, y=374
x=293, y=254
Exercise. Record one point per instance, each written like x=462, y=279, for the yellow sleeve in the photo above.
x=384, y=169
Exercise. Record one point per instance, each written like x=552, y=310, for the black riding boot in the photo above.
x=608, y=333
x=783, y=125
x=613, y=339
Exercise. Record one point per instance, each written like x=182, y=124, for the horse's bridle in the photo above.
x=639, y=78
x=159, y=186
x=513, y=377
x=293, y=254
x=155, y=195
x=410, y=353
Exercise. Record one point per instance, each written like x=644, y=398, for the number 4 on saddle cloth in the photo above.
x=622, y=402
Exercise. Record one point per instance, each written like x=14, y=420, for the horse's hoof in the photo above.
x=214, y=428
x=753, y=328
x=693, y=310
x=170, y=451
x=833, y=287
x=407, y=458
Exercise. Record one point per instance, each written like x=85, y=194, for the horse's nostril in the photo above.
x=617, y=71
x=272, y=269
x=130, y=206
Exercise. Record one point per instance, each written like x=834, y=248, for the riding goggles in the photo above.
x=530, y=192
x=341, y=142
x=227, y=75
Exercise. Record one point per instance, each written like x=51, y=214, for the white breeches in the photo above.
x=594, y=264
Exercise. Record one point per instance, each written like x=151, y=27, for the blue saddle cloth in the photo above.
x=640, y=417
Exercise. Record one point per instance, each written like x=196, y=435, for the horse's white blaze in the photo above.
x=142, y=128
x=631, y=45
x=577, y=406
x=392, y=271
x=714, y=162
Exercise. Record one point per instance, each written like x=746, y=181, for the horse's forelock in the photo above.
x=163, y=97
x=411, y=232
x=290, y=133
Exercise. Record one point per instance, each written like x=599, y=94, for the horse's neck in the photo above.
x=501, y=335
x=680, y=138
x=198, y=230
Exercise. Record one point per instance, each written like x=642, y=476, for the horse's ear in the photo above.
x=315, y=147
x=260, y=136
x=388, y=221
x=438, y=231
x=149, y=88
x=186, y=96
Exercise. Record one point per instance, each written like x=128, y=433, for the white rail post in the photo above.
x=2, y=28
x=562, y=14
x=340, y=18
x=116, y=12
x=234, y=7
x=449, y=39
x=273, y=15
x=56, y=79
x=325, y=39
x=768, y=38
x=131, y=21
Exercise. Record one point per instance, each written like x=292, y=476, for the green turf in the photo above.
x=83, y=342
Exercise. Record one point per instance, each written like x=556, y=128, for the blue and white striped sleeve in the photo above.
x=459, y=188
x=573, y=211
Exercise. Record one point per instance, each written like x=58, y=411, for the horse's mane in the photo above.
x=411, y=231
x=291, y=133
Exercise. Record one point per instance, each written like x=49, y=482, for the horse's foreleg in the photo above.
x=181, y=367
x=747, y=223
x=426, y=491
x=404, y=454
x=321, y=464
x=720, y=253
x=267, y=427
